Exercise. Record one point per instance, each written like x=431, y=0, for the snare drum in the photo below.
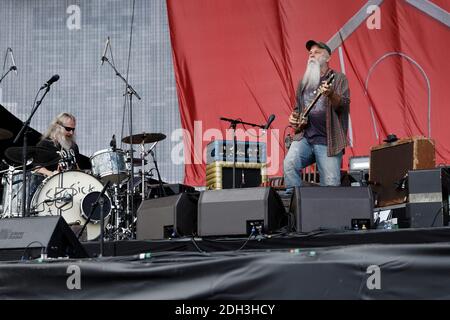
x=63, y=194
x=109, y=165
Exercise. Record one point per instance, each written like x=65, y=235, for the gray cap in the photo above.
x=322, y=45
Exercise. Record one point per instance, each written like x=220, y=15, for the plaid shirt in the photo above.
x=337, y=117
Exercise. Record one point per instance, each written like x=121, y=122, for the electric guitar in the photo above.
x=302, y=117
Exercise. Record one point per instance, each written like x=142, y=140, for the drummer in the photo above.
x=60, y=138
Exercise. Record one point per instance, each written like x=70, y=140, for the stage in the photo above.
x=200, y=129
x=374, y=264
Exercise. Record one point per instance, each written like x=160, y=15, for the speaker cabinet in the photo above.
x=219, y=175
x=233, y=212
x=428, y=197
x=390, y=163
x=28, y=238
x=168, y=217
x=334, y=208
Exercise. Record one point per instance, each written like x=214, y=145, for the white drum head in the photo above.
x=62, y=194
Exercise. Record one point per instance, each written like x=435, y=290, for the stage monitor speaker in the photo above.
x=332, y=208
x=167, y=217
x=233, y=212
x=154, y=190
x=28, y=238
x=428, y=199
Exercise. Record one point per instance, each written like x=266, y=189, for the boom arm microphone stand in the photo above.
x=233, y=124
x=99, y=201
x=12, y=68
x=162, y=190
x=24, y=131
x=130, y=92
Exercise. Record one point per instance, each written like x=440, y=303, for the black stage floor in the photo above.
x=373, y=264
x=274, y=242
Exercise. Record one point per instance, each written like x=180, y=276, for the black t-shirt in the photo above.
x=316, y=131
x=69, y=157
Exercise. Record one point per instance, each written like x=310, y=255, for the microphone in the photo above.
x=50, y=81
x=104, y=51
x=113, y=143
x=14, y=67
x=269, y=121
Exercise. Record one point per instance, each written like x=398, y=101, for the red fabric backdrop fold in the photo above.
x=244, y=58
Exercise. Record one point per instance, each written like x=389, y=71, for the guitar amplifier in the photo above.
x=222, y=150
x=390, y=163
x=219, y=175
x=428, y=204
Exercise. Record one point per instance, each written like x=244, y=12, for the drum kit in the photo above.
x=109, y=190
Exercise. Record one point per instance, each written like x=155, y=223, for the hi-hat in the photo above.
x=5, y=134
x=39, y=155
x=144, y=138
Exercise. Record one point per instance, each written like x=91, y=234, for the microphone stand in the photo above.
x=130, y=92
x=24, y=131
x=233, y=124
x=159, y=175
x=99, y=201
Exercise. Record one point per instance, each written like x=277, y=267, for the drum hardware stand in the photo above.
x=9, y=178
x=116, y=210
x=116, y=230
x=102, y=225
x=143, y=155
x=94, y=206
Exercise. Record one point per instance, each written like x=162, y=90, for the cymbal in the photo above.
x=144, y=138
x=40, y=156
x=5, y=134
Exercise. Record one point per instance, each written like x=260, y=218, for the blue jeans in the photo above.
x=302, y=154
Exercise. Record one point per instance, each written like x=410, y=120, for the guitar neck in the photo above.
x=311, y=105
x=329, y=81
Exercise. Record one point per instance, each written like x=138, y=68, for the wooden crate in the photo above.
x=390, y=163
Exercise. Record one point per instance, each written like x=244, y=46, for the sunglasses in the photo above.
x=68, y=129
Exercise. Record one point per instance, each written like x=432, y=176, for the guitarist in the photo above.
x=323, y=137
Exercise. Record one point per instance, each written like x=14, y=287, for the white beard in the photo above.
x=66, y=143
x=311, y=78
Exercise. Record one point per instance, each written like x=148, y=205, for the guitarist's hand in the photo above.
x=294, y=119
x=325, y=89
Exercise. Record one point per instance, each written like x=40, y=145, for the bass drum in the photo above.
x=63, y=194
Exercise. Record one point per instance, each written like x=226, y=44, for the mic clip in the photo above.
x=66, y=198
x=113, y=143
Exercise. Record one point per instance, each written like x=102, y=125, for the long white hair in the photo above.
x=56, y=131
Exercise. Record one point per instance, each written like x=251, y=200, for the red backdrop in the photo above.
x=244, y=58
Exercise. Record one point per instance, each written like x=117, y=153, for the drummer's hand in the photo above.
x=45, y=172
